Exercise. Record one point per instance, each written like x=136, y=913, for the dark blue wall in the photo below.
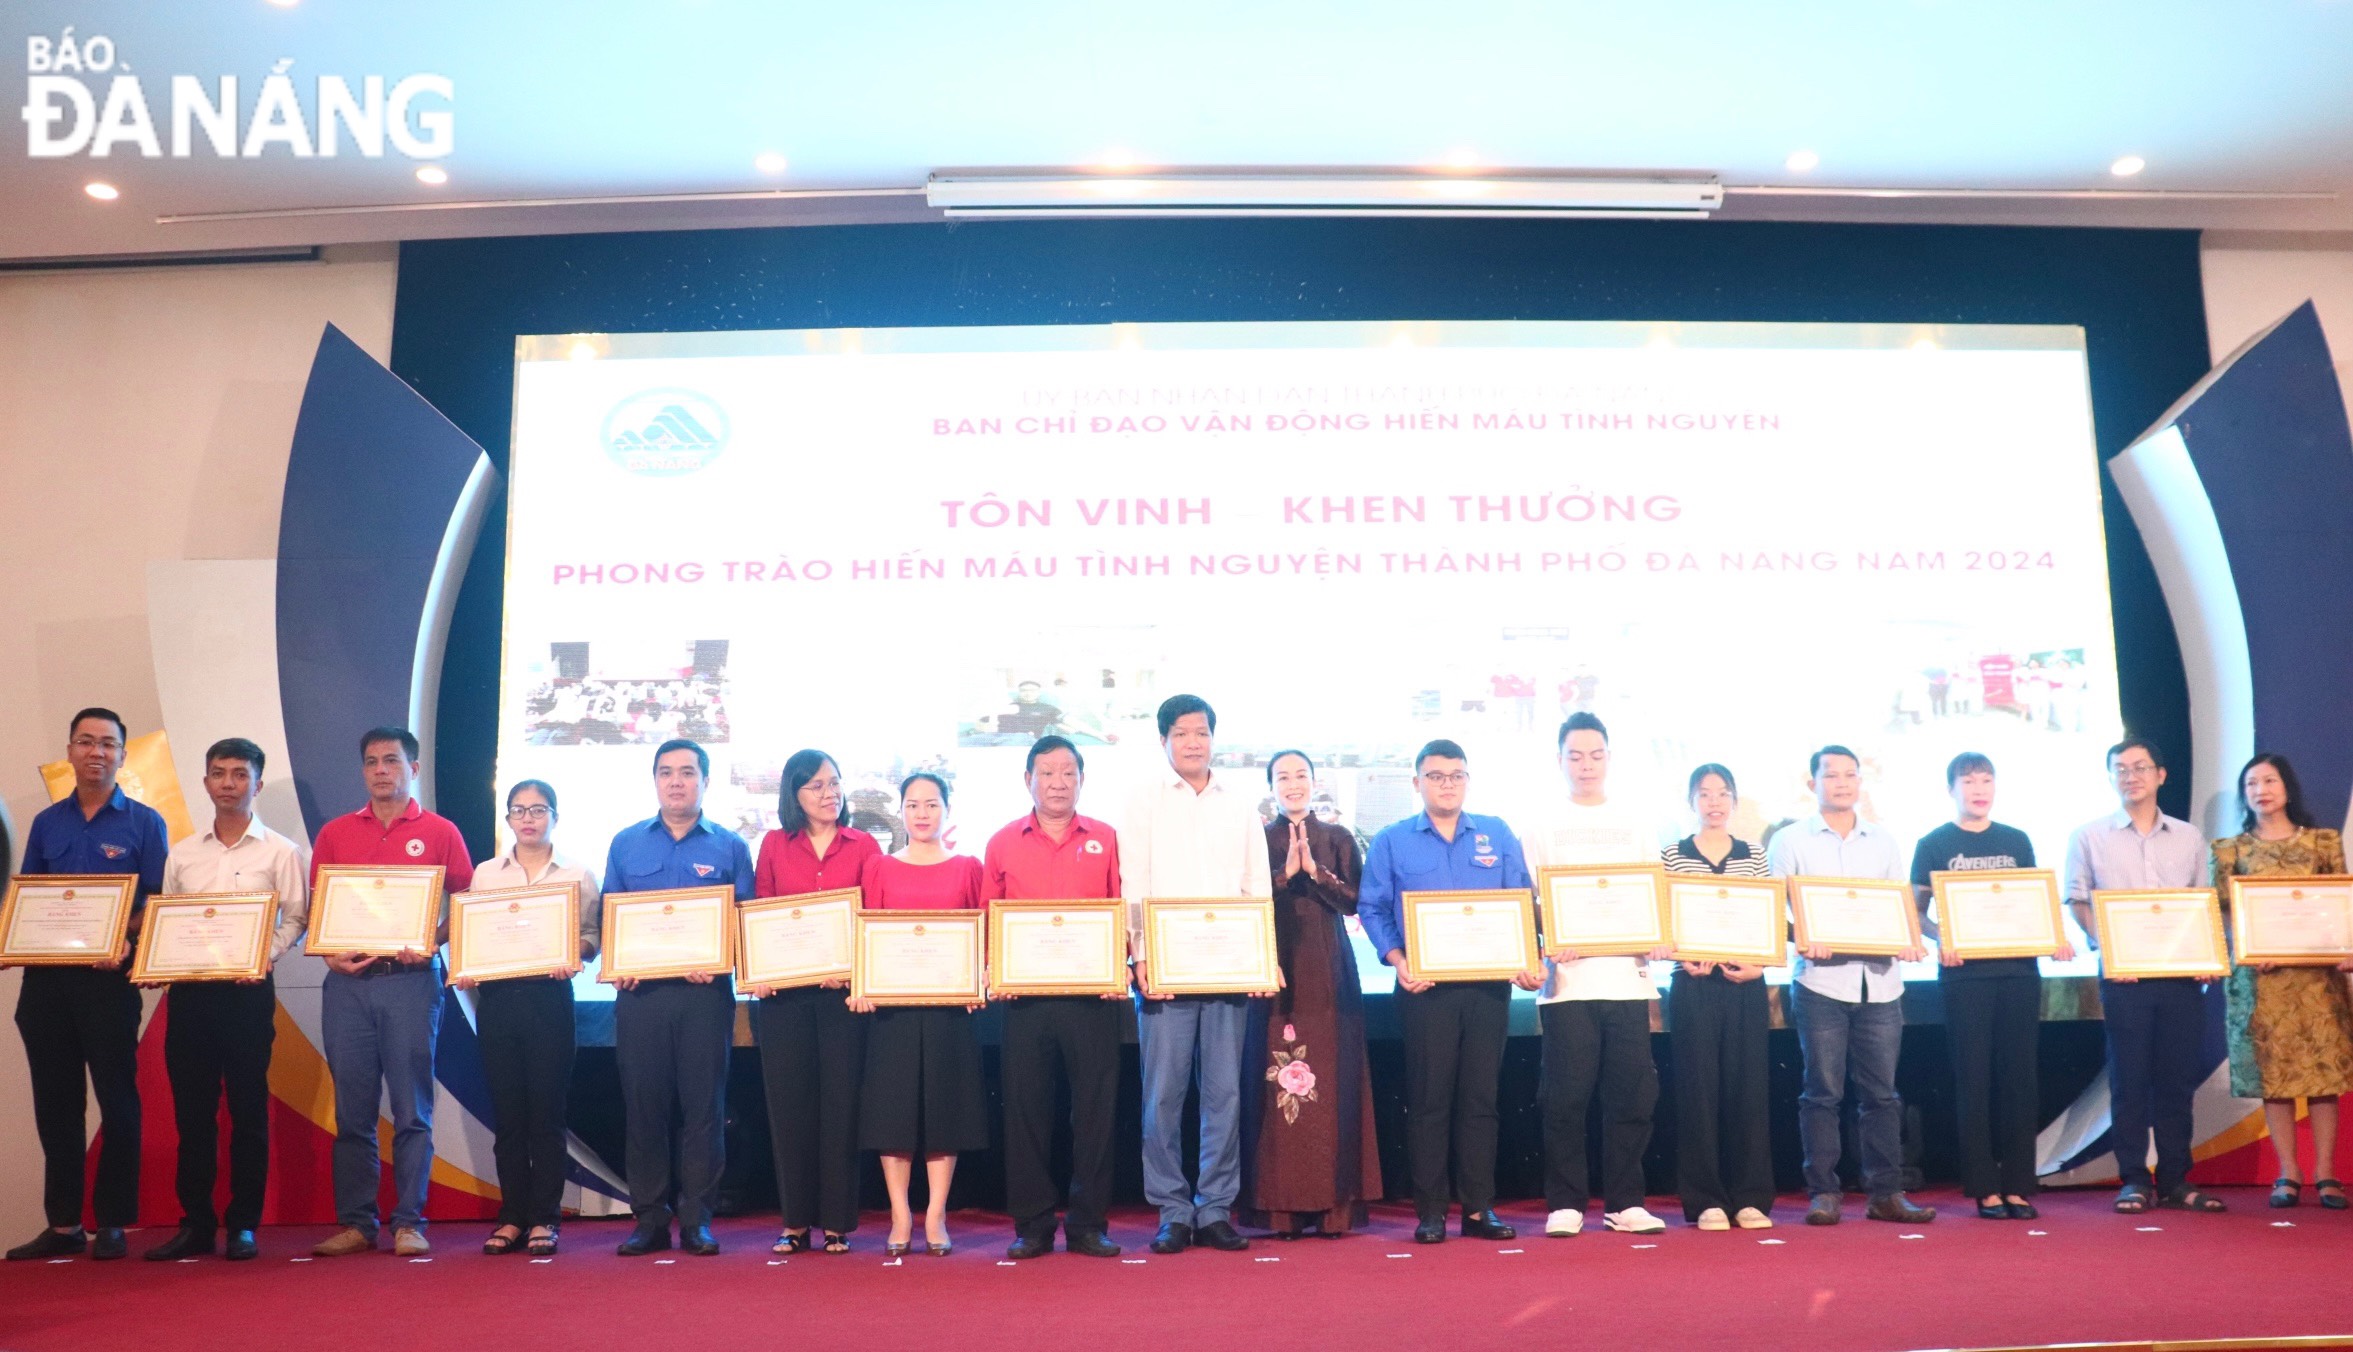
x=462, y=302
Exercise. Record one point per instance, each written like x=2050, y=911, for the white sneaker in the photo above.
x=1633, y=1221
x=1563, y=1223
x=1713, y=1219
x=1752, y=1219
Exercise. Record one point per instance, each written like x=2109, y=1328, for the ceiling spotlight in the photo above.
x=104, y=192
x=1116, y=159
x=433, y=175
x=284, y=4
x=1461, y=158
x=2128, y=166
x=769, y=162
x=1802, y=162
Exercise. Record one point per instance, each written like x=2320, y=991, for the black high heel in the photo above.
x=890, y=1250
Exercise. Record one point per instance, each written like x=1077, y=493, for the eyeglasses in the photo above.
x=96, y=744
x=2140, y=771
x=536, y=812
x=1442, y=779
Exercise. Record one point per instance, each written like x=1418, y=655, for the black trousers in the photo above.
x=1454, y=1035
x=671, y=1041
x=1992, y=1024
x=78, y=1020
x=812, y=1066
x=1724, y=1136
x=525, y=1028
x=1590, y=1044
x=217, y=1037
x=1051, y=1038
x=2156, y=1059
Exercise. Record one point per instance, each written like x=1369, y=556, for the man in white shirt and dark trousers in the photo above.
x=1848, y=1010
x=218, y=1034
x=1186, y=835
x=1595, y=1011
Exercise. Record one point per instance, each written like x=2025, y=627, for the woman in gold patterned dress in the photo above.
x=2290, y=1028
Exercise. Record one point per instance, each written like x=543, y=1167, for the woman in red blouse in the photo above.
x=812, y=1048
x=923, y=1090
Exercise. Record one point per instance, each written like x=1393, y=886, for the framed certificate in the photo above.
x=523, y=931
x=66, y=919
x=1721, y=918
x=1603, y=910
x=684, y=931
x=1210, y=945
x=1468, y=936
x=1861, y=917
x=1058, y=947
x=2166, y=932
x=221, y=936
x=379, y=910
x=795, y=941
x=1998, y=913
x=2298, y=922
x=920, y=957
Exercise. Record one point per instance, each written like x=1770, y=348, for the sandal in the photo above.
x=2286, y=1192
x=501, y=1243
x=2332, y=1193
x=2132, y=1199
x=543, y=1243
x=790, y=1242
x=836, y=1243
x=2190, y=1199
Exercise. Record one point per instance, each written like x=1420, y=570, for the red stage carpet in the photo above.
x=2091, y=1276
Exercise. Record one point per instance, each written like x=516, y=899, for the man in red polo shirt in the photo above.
x=380, y=1012
x=1054, y=854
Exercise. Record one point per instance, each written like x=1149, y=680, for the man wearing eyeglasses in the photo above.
x=85, y=1019
x=1454, y=1031
x=2156, y=1027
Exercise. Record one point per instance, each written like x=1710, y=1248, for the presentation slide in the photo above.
x=921, y=549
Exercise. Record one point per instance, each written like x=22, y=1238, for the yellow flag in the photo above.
x=147, y=776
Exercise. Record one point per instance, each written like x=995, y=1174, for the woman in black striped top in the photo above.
x=1717, y=1015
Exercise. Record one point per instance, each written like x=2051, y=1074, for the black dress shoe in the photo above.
x=699, y=1242
x=1025, y=1246
x=50, y=1244
x=241, y=1246
x=1174, y=1237
x=188, y=1243
x=1430, y=1231
x=1485, y=1225
x=1091, y=1243
x=1221, y=1236
x=1899, y=1208
x=2022, y=1211
x=109, y=1243
x=643, y=1240
x=1993, y=1211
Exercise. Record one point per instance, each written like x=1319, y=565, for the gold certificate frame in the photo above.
x=1979, y=912
x=2120, y=917
x=911, y=958
x=1817, y=904
x=517, y=932
x=1469, y=936
x=66, y=919
x=1210, y=945
x=1713, y=917
x=1080, y=945
x=376, y=909
x=801, y=940
x=1570, y=898
x=214, y=936
x=692, y=926
x=2292, y=922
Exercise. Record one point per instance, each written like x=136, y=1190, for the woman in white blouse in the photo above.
x=524, y=1025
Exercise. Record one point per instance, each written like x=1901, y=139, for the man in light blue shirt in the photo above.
x=671, y=1037
x=1454, y=1032
x=1848, y=1009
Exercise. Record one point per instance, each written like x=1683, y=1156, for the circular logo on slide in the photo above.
x=662, y=434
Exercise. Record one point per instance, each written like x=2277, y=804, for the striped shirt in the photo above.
x=1744, y=860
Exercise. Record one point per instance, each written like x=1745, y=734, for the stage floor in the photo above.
x=2080, y=1274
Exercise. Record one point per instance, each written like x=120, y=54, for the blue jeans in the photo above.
x=379, y=1032
x=1193, y=1039
x=1850, y=1044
